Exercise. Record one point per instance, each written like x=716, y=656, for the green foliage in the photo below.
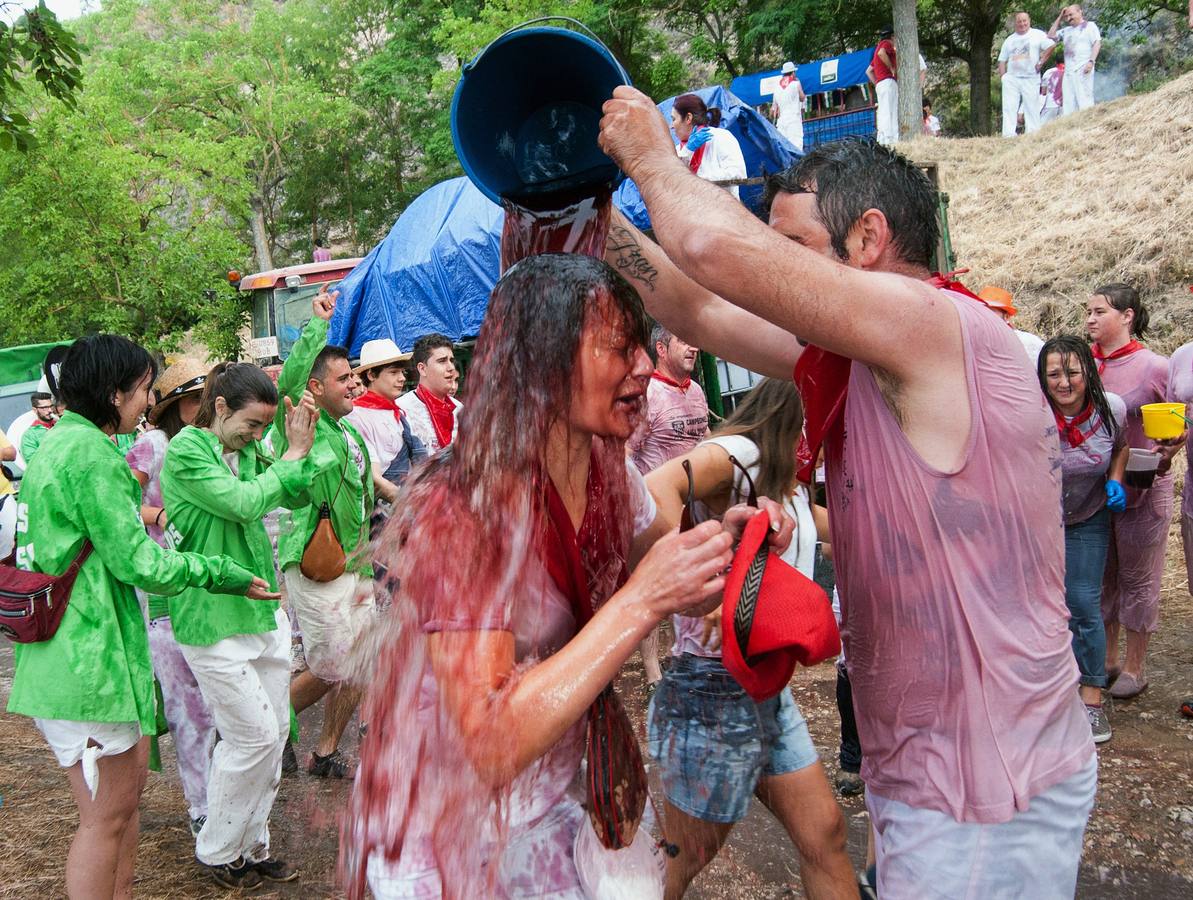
x=34, y=44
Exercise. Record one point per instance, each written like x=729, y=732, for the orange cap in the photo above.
x=999, y=299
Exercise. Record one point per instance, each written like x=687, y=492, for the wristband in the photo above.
x=157, y=520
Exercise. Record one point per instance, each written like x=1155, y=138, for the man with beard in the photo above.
x=43, y=408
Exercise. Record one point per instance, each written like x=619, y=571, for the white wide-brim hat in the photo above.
x=380, y=352
x=788, y=68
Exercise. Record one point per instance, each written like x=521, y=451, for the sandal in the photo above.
x=331, y=766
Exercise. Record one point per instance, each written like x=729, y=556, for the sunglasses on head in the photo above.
x=688, y=519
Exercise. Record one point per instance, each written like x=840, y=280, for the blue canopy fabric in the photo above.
x=435, y=269
x=815, y=77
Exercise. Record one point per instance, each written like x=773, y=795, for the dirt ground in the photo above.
x=1139, y=842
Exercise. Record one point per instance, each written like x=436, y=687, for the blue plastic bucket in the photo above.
x=526, y=113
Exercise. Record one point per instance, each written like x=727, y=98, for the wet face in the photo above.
x=1105, y=324
x=1066, y=382
x=794, y=216
x=612, y=371
x=682, y=125
x=188, y=408
x=335, y=392
x=389, y=382
x=677, y=358
x=1022, y=23
x=236, y=429
x=131, y=405
x=438, y=373
x=44, y=410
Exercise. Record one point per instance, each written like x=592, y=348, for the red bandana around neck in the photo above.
x=443, y=414
x=373, y=400
x=823, y=381
x=1125, y=350
x=682, y=385
x=786, y=80
x=1071, y=430
x=698, y=157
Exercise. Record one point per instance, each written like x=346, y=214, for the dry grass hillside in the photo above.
x=1104, y=195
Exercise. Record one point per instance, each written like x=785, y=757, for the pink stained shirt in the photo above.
x=952, y=594
x=1180, y=390
x=1140, y=377
x=677, y=420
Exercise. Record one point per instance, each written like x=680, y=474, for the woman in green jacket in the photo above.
x=89, y=688
x=218, y=482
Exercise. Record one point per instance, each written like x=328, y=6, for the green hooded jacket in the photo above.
x=349, y=494
x=96, y=667
x=215, y=512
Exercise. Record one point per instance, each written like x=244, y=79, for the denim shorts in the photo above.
x=713, y=742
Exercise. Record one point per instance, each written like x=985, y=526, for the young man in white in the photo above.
x=1019, y=68
x=788, y=107
x=431, y=408
x=1083, y=43
x=375, y=413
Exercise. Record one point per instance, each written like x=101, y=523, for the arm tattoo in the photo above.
x=628, y=258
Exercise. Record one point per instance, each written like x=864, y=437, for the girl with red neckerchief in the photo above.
x=711, y=152
x=1135, y=561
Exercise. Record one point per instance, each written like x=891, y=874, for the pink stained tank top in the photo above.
x=952, y=590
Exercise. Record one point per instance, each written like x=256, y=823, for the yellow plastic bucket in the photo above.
x=1162, y=421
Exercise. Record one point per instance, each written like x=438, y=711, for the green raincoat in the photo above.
x=342, y=486
x=214, y=512
x=96, y=667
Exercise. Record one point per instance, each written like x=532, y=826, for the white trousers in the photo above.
x=245, y=680
x=333, y=615
x=793, y=130
x=1078, y=90
x=887, y=94
x=923, y=853
x=1018, y=89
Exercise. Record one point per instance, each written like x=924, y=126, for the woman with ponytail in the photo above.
x=218, y=483
x=1093, y=444
x=710, y=151
x=1135, y=564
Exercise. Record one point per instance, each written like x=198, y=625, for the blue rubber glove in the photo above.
x=1116, y=497
x=698, y=138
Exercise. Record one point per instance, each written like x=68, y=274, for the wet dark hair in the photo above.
x=1068, y=345
x=95, y=368
x=691, y=104
x=170, y=421
x=326, y=355
x=427, y=344
x=239, y=384
x=1123, y=297
x=851, y=176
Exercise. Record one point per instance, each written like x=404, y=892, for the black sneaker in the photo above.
x=331, y=766
x=275, y=869
x=849, y=784
x=239, y=874
x=289, y=760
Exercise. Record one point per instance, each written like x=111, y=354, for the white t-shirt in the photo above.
x=1021, y=52
x=791, y=107
x=1031, y=344
x=420, y=419
x=721, y=161
x=1079, y=43
x=382, y=433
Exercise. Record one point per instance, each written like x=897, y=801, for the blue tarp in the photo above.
x=436, y=267
x=816, y=77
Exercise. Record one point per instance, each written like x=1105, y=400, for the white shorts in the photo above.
x=70, y=742
x=332, y=615
x=924, y=853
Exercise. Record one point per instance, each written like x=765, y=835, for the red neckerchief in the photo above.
x=785, y=80
x=38, y=423
x=564, y=550
x=698, y=157
x=373, y=400
x=1071, y=430
x=682, y=385
x=443, y=414
x=1125, y=350
x=823, y=381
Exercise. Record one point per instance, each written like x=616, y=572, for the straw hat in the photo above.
x=187, y=376
x=788, y=68
x=999, y=299
x=380, y=352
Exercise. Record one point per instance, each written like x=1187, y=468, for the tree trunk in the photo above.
x=907, y=62
x=981, y=48
x=260, y=235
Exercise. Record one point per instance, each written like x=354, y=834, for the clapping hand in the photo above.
x=300, y=425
